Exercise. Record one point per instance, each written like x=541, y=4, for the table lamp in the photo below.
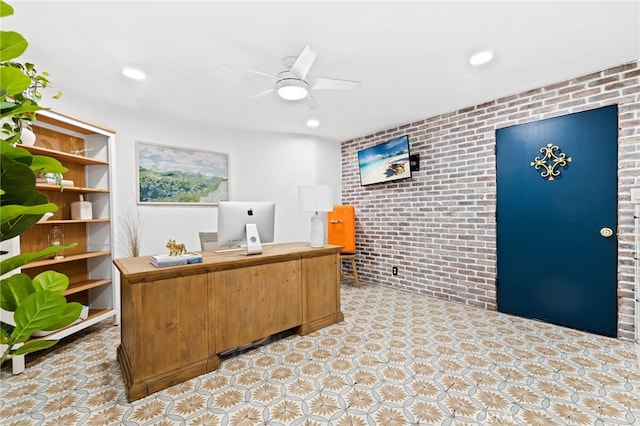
x=316, y=198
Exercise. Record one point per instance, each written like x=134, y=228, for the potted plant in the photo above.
x=35, y=304
x=23, y=83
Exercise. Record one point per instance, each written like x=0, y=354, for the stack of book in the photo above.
x=50, y=179
x=163, y=260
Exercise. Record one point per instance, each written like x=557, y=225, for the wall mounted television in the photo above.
x=385, y=162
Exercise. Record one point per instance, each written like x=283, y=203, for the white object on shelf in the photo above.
x=81, y=210
x=27, y=137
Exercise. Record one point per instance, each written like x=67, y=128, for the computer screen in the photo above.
x=233, y=216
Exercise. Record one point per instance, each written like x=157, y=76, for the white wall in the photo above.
x=262, y=167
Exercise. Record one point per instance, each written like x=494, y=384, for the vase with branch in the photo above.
x=131, y=225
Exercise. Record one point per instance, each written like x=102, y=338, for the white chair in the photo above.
x=208, y=240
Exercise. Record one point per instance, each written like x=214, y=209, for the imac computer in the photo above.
x=249, y=223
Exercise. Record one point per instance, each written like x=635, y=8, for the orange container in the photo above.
x=342, y=227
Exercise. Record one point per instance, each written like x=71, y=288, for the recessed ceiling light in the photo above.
x=481, y=58
x=134, y=74
x=312, y=122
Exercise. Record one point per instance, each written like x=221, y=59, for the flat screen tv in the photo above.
x=386, y=162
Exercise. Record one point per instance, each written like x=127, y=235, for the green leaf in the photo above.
x=52, y=281
x=6, y=106
x=5, y=331
x=23, y=107
x=17, y=180
x=17, y=261
x=69, y=315
x=13, y=290
x=18, y=184
x=36, y=163
x=10, y=212
x=17, y=154
x=36, y=345
x=37, y=312
x=46, y=164
x=5, y=9
x=12, y=80
x=17, y=227
x=12, y=45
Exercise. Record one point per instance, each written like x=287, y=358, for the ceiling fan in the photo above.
x=294, y=83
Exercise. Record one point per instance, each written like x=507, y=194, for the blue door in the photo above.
x=556, y=220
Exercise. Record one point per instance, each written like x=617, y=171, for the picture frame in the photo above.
x=183, y=176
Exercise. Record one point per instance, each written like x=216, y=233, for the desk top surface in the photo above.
x=140, y=269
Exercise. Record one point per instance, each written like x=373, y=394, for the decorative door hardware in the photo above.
x=551, y=153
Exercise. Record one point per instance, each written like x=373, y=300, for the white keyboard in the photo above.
x=242, y=248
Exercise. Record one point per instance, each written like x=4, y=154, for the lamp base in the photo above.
x=317, y=231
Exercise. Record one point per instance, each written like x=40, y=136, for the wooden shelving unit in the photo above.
x=86, y=150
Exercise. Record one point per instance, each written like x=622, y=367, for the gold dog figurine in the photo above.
x=176, y=249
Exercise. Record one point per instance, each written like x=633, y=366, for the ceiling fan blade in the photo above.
x=311, y=102
x=251, y=71
x=303, y=63
x=321, y=83
x=263, y=93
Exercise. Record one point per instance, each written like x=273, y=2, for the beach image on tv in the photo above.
x=385, y=162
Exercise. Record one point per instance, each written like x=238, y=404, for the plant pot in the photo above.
x=27, y=137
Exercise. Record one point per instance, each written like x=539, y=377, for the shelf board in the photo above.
x=55, y=187
x=64, y=156
x=69, y=258
x=70, y=122
x=71, y=221
x=84, y=285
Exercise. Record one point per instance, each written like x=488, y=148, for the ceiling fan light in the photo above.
x=292, y=89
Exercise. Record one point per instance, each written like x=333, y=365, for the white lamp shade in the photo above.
x=315, y=198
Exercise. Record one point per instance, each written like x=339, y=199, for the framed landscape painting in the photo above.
x=170, y=175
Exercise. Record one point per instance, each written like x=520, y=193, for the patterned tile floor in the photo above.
x=397, y=359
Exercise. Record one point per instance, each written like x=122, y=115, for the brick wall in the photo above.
x=439, y=227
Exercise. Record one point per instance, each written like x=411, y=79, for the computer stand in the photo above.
x=254, y=246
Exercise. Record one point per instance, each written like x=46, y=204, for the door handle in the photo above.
x=606, y=232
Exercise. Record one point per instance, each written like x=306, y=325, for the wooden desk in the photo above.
x=176, y=320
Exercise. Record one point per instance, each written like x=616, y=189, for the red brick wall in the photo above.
x=439, y=227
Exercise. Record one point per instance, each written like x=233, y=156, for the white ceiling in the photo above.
x=411, y=57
